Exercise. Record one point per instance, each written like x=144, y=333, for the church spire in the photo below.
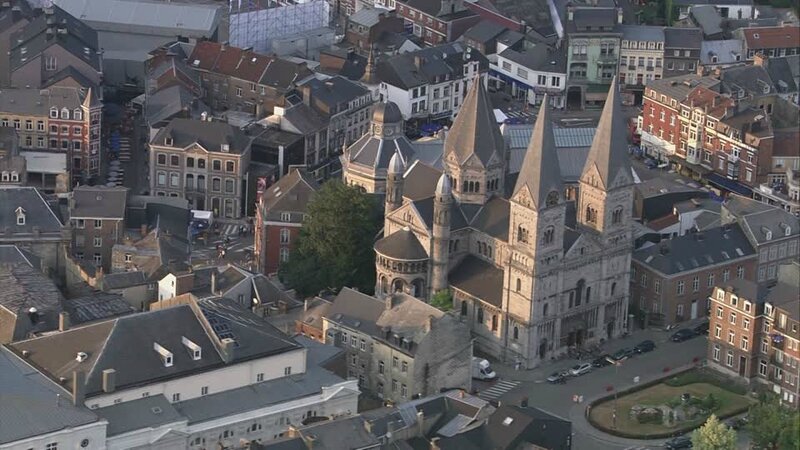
x=369, y=69
x=475, y=130
x=608, y=157
x=540, y=172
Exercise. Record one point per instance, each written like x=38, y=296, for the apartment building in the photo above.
x=671, y=281
x=531, y=71
x=399, y=348
x=593, y=40
x=97, y=216
x=754, y=332
x=242, y=80
x=641, y=58
x=430, y=84
x=681, y=50
x=345, y=105
x=206, y=162
x=58, y=128
x=770, y=41
x=436, y=21
x=279, y=216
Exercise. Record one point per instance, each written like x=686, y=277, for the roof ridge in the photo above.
x=102, y=349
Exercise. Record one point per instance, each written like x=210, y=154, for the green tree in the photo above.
x=773, y=426
x=443, y=300
x=669, y=11
x=334, y=247
x=714, y=435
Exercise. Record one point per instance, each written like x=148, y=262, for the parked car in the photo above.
x=645, y=346
x=678, y=443
x=702, y=328
x=737, y=422
x=601, y=361
x=557, y=378
x=580, y=369
x=650, y=163
x=621, y=355
x=682, y=335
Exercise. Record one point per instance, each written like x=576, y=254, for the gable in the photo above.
x=408, y=214
x=621, y=179
x=523, y=197
x=591, y=176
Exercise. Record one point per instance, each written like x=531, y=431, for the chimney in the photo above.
x=435, y=443
x=227, y=349
x=214, y=282
x=570, y=12
x=421, y=423
x=419, y=61
x=78, y=387
x=63, y=321
x=292, y=432
x=109, y=380
x=305, y=305
x=306, y=89
x=619, y=15
x=429, y=324
x=760, y=59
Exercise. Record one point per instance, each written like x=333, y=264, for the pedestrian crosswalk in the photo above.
x=230, y=229
x=496, y=391
x=124, y=149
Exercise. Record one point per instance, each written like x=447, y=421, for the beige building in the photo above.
x=641, y=57
x=205, y=162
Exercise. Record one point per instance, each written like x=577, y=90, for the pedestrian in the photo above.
x=517, y=364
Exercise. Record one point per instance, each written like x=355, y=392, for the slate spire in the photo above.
x=540, y=171
x=475, y=130
x=609, y=151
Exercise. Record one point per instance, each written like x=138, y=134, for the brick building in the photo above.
x=770, y=41
x=279, y=217
x=97, y=216
x=671, y=281
x=436, y=21
x=754, y=332
x=365, y=28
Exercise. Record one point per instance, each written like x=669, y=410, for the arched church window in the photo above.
x=519, y=285
x=515, y=334
x=591, y=214
x=544, y=310
x=613, y=287
x=479, y=317
x=552, y=198
x=464, y=308
x=549, y=235
x=616, y=216
x=466, y=186
x=477, y=186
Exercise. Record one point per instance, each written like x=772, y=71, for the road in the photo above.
x=239, y=249
x=558, y=398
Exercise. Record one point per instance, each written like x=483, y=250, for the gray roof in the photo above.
x=609, y=152
x=304, y=119
x=167, y=103
x=475, y=130
x=753, y=79
x=98, y=202
x=291, y=194
x=479, y=279
x=210, y=135
x=37, y=102
x=123, y=280
x=386, y=112
x=484, y=31
x=540, y=172
x=29, y=403
x=693, y=251
x=367, y=16
x=257, y=396
x=443, y=60
x=318, y=353
x=726, y=51
x=586, y=19
x=142, y=413
x=356, y=310
x=401, y=245
x=642, y=33
x=96, y=306
x=334, y=94
x=784, y=294
x=11, y=254
x=783, y=72
x=194, y=20
x=420, y=181
x=24, y=287
x=756, y=218
x=539, y=57
x=492, y=218
x=375, y=151
x=342, y=434
x=682, y=38
x=680, y=86
x=708, y=19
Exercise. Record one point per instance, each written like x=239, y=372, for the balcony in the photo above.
x=579, y=57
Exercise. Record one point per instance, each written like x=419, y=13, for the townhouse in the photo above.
x=681, y=50
x=531, y=71
x=770, y=41
x=436, y=21
x=206, y=162
x=97, y=216
x=641, y=58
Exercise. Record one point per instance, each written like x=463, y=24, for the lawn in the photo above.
x=661, y=394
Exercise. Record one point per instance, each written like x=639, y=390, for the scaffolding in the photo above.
x=258, y=23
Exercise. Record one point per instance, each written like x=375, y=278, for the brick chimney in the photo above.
x=760, y=59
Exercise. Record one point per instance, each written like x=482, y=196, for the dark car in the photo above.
x=682, y=335
x=645, y=346
x=650, y=163
x=601, y=361
x=621, y=355
x=702, y=328
x=679, y=442
x=736, y=422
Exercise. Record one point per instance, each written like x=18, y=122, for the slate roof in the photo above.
x=96, y=306
x=401, y=245
x=352, y=307
x=167, y=103
x=531, y=425
x=24, y=287
x=771, y=37
x=420, y=181
x=609, y=152
x=341, y=434
x=435, y=8
x=210, y=135
x=756, y=218
x=457, y=219
x=708, y=19
x=726, y=51
x=783, y=72
x=37, y=102
x=290, y=194
x=692, y=251
x=125, y=344
x=753, y=79
x=642, y=33
x=475, y=131
x=586, y=19
x=784, y=294
x=304, y=119
x=98, y=202
x=479, y=279
x=540, y=173
x=443, y=60
x=375, y=151
x=680, y=86
x=492, y=218
x=539, y=57
x=682, y=38
x=367, y=16
x=11, y=254
x=28, y=403
x=123, y=280
x=139, y=414
x=484, y=31
x=333, y=95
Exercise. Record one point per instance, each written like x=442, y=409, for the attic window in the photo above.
x=20, y=216
x=168, y=141
x=166, y=355
x=195, y=352
x=755, y=35
x=54, y=113
x=508, y=420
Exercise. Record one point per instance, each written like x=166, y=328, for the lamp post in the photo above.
x=616, y=394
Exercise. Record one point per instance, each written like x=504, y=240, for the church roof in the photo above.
x=401, y=244
x=540, y=172
x=492, y=219
x=425, y=209
x=386, y=113
x=475, y=130
x=479, y=279
x=609, y=147
x=374, y=151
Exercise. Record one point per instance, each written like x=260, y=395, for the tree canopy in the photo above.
x=714, y=435
x=773, y=426
x=334, y=247
x=443, y=300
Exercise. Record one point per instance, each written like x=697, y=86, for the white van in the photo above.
x=481, y=370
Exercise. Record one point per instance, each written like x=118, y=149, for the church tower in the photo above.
x=394, y=185
x=442, y=207
x=474, y=149
x=606, y=184
x=536, y=222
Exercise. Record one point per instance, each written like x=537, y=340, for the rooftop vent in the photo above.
x=156, y=410
x=81, y=357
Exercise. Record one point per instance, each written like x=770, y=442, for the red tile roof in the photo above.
x=714, y=101
x=227, y=60
x=772, y=37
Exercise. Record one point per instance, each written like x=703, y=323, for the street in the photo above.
x=513, y=385
x=238, y=248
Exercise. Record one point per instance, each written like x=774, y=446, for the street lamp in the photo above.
x=616, y=393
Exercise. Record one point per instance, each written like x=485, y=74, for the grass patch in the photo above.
x=602, y=414
x=708, y=377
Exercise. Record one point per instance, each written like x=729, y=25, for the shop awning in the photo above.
x=728, y=185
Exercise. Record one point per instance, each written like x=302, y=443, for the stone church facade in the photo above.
x=531, y=272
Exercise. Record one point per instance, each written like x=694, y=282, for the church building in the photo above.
x=530, y=271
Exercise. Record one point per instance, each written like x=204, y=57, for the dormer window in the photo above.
x=168, y=141
x=20, y=212
x=65, y=113
x=54, y=113
x=14, y=176
x=5, y=176
x=166, y=355
x=77, y=114
x=195, y=352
